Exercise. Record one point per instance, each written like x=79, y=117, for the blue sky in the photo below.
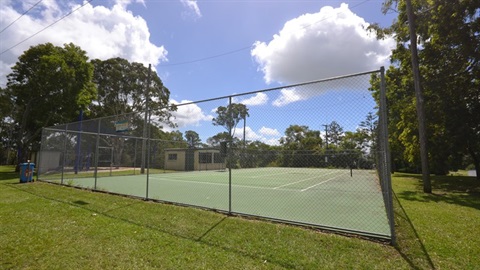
x=205, y=49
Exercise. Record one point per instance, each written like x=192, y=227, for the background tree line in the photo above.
x=51, y=85
x=449, y=57
x=299, y=147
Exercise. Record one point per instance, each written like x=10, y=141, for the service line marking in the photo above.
x=303, y=180
x=323, y=182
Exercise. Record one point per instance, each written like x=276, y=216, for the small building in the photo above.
x=194, y=159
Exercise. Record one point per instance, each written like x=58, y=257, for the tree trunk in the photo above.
x=422, y=129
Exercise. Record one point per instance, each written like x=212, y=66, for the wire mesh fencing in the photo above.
x=313, y=154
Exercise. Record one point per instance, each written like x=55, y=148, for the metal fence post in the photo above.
x=229, y=160
x=64, y=152
x=148, y=154
x=97, y=145
x=386, y=155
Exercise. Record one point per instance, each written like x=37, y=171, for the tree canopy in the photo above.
x=122, y=88
x=449, y=55
x=193, y=139
x=51, y=85
x=48, y=85
x=228, y=117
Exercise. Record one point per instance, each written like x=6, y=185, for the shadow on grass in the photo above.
x=200, y=239
x=409, y=245
x=459, y=190
x=8, y=173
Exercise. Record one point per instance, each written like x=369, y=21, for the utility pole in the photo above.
x=145, y=120
x=427, y=188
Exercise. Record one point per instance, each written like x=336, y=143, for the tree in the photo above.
x=335, y=133
x=123, y=89
x=294, y=135
x=228, y=117
x=419, y=98
x=368, y=131
x=449, y=37
x=6, y=127
x=301, y=138
x=301, y=146
x=193, y=139
x=161, y=140
x=353, y=140
x=48, y=85
x=233, y=157
x=220, y=137
x=259, y=154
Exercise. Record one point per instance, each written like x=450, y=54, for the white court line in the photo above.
x=300, y=181
x=323, y=182
x=267, y=175
x=216, y=184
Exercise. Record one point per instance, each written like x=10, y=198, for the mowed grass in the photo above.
x=46, y=226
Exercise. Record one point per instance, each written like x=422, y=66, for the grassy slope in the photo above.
x=44, y=226
x=439, y=230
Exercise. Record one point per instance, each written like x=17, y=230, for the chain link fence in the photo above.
x=313, y=154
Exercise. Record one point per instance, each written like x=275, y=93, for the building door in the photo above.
x=189, y=160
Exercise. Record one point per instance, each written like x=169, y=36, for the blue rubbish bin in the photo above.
x=26, y=172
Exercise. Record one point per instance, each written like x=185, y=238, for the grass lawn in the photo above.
x=46, y=226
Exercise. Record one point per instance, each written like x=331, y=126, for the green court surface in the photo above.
x=325, y=198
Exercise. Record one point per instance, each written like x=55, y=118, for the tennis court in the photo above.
x=301, y=177
x=349, y=201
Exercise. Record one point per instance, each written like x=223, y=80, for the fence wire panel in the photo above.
x=314, y=154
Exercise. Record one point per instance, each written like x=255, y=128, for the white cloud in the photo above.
x=266, y=135
x=125, y=3
x=192, y=8
x=329, y=43
x=190, y=114
x=102, y=32
x=269, y=131
x=249, y=133
x=258, y=99
x=288, y=96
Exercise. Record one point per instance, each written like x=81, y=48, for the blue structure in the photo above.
x=26, y=172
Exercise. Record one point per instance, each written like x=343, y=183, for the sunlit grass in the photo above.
x=44, y=226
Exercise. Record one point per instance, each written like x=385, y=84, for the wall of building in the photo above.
x=204, y=159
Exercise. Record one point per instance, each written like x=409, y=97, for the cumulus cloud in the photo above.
x=258, y=99
x=331, y=42
x=266, y=135
x=125, y=3
x=269, y=132
x=192, y=8
x=102, y=32
x=249, y=133
x=288, y=96
x=190, y=114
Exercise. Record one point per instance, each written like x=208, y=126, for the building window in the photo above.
x=218, y=158
x=204, y=157
x=172, y=156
